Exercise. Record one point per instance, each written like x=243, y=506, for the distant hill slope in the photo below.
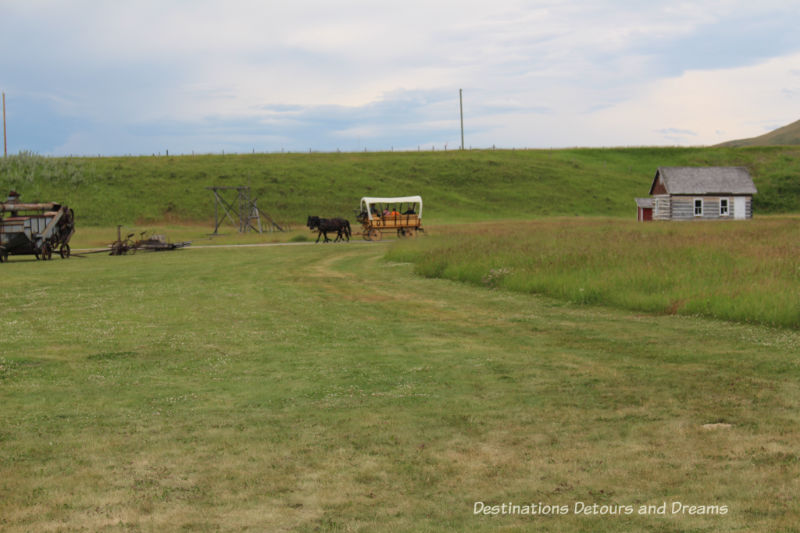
x=785, y=136
x=456, y=186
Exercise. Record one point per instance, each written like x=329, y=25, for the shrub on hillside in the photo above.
x=32, y=173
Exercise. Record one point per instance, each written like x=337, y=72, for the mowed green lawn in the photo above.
x=321, y=388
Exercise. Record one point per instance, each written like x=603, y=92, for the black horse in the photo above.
x=324, y=225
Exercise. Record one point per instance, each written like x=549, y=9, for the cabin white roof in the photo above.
x=371, y=200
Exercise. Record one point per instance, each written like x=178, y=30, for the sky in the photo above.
x=93, y=77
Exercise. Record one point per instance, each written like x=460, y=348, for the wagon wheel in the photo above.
x=375, y=234
x=410, y=232
x=64, y=251
x=46, y=252
x=365, y=235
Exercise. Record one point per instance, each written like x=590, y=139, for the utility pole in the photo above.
x=5, y=144
x=461, y=110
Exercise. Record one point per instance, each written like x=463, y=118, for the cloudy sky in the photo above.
x=97, y=77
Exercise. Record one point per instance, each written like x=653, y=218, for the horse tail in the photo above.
x=347, y=229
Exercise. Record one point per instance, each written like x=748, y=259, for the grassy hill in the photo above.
x=456, y=186
x=787, y=135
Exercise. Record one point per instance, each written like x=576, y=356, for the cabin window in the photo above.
x=723, y=207
x=698, y=207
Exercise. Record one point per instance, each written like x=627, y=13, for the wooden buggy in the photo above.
x=401, y=214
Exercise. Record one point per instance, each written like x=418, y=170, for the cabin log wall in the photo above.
x=682, y=208
x=662, y=209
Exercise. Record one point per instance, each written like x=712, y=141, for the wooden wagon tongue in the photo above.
x=14, y=206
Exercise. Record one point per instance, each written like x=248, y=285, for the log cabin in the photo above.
x=698, y=193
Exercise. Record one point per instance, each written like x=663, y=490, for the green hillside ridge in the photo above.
x=784, y=136
x=456, y=186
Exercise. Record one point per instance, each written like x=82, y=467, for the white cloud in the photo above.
x=544, y=73
x=717, y=105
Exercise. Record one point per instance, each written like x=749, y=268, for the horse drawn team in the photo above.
x=402, y=214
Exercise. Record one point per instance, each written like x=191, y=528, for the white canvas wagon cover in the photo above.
x=367, y=201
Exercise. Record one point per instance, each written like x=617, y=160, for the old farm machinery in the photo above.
x=402, y=214
x=145, y=243
x=35, y=229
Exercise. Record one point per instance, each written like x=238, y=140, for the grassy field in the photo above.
x=321, y=388
x=456, y=186
x=748, y=272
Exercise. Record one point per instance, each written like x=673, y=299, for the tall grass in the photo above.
x=37, y=175
x=740, y=271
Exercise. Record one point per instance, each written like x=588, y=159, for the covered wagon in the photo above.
x=400, y=214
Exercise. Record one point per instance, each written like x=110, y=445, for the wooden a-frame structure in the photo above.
x=242, y=211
